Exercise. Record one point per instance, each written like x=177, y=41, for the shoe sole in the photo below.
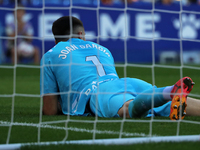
x=178, y=107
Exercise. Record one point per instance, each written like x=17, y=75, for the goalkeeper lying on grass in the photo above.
x=80, y=76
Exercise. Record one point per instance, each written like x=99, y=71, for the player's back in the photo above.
x=77, y=63
x=81, y=63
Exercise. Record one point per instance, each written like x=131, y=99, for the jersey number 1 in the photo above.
x=97, y=63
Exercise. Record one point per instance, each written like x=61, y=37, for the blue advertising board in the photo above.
x=130, y=33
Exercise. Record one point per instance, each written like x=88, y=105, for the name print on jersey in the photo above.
x=71, y=48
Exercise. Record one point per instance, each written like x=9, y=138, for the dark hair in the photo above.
x=63, y=25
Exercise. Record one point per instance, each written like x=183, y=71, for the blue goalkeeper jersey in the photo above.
x=70, y=68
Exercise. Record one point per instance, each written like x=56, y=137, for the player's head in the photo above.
x=67, y=27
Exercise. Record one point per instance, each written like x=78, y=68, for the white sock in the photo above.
x=167, y=92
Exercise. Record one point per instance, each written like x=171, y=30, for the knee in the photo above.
x=123, y=111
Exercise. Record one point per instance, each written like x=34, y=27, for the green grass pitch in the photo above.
x=27, y=109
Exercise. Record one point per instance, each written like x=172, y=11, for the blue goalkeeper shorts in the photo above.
x=109, y=97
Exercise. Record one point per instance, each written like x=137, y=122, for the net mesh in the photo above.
x=94, y=128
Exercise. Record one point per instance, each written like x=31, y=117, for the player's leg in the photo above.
x=143, y=98
x=36, y=55
x=163, y=110
x=13, y=55
x=142, y=103
x=193, y=107
x=123, y=111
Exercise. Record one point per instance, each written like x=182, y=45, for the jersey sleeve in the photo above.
x=48, y=83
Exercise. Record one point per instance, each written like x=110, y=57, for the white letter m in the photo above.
x=109, y=28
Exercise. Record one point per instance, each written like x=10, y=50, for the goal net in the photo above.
x=155, y=42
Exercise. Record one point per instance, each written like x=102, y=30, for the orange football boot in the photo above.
x=179, y=95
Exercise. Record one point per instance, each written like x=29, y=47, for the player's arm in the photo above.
x=51, y=105
x=49, y=89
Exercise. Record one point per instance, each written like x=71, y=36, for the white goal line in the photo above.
x=127, y=134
